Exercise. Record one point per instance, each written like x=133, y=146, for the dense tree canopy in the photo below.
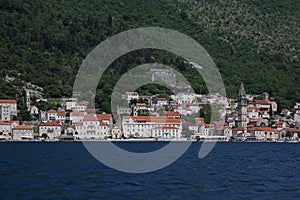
x=257, y=42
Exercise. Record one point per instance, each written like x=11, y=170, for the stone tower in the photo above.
x=242, y=107
x=28, y=99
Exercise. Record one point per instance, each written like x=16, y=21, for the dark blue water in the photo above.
x=230, y=171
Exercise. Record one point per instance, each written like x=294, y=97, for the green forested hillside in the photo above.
x=256, y=42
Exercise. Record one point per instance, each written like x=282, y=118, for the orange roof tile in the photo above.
x=61, y=114
x=103, y=124
x=104, y=117
x=238, y=129
x=75, y=113
x=54, y=123
x=172, y=113
x=90, y=117
x=23, y=127
x=162, y=99
x=199, y=119
x=207, y=125
x=4, y=123
x=52, y=111
x=157, y=119
x=11, y=101
x=294, y=130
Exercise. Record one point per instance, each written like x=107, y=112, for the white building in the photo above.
x=116, y=132
x=76, y=117
x=8, y=108
x=34, y=110
x=141, y=126
x=52, y=129
x=70, y=104
x=166, y=132
x=51, y=115
x=185, y=97
x=5, y=130
x=91, y=128
x=131, y=96
x=162, y=102
x=61, y=117
x=22, y=132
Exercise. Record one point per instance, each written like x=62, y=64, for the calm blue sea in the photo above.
x=65, y=170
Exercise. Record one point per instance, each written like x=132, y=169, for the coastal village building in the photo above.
x=76, y=117
x=166, y=132
x=33, y=110
x=53, y=115
x=22, y=132
x=8, y=109
x=131, y=96
x=116, y=132
x=106, y=118
x=141, y=126
x=6, y=129
x=51, y=129
x=92, y=128
x=185, y=97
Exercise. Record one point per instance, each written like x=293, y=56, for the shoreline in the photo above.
x=144, y=140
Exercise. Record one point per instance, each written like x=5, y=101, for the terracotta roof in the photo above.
x=12, y=101
x=199, y=119
x=221, y=128
x=104, y=117
x=172, y=113
x=295, y=130
x=61, y=114
x=54, y=123
x=166, y=127
x=162, y=99
x=4, y=123
x=75, y=113
x=266, y=129
x=176, y=105
x=141, y=104
x=261, y=102
x=103, y=124
x=52, y=111
x=207, y=125
x=23, y=127
x=90, y=117
x=157, y=119
x=219, y=123
x=238, y=129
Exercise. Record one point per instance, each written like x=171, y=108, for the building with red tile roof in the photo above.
x=22, y=132
x=141, y=126
x=8, y=109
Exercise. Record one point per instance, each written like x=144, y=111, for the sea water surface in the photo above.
x=65, y=170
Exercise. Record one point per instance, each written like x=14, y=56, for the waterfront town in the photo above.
x=176, y=117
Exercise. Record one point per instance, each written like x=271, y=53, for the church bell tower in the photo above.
x=242, y=107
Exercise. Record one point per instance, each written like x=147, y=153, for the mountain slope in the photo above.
x=251, y=41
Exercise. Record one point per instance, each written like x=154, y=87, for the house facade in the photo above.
x=91, y=128
x=51, y=129
x=8, y=109
x=141, y=126
x=22, y=132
